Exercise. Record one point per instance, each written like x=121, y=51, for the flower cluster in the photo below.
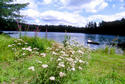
x=62, y=61
x=22, y=49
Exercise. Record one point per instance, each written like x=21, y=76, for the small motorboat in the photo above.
x=92, y=42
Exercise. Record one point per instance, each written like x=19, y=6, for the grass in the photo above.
x=104, y=66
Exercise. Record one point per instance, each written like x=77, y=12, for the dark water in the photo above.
x=82, y=38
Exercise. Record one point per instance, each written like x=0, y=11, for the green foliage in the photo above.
x=9, y=10
x=102, y=67
x=66, y=40
x=37, y=42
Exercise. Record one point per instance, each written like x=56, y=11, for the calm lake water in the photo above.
x=82, y=38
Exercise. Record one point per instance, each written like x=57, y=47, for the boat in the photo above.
x=92, y=42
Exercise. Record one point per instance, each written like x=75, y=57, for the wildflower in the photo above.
x=26, y=43
x=31, y=68
x=58, y=59
x=19, y=43
x=80, y=68
x=64, y=55
x=69, y=59
x=23, y=48
x=73, y=69
x=9, y=45
x=62, y=52
x=43, y=54
x=52, y=78
x=61, y=74
x=29, y=49
x=61, y=64
x=35, y=48
x=19, y=39
x=80, y=52
x=44, y=65
x=81, y=61
x=24, y=54
x=54, y=53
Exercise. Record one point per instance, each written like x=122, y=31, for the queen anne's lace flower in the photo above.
x=52, y=78
x=31, y=68
x=44, y=65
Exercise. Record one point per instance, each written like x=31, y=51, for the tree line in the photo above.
x=11, y=20
x=114, y=28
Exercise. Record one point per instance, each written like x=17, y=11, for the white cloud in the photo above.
x=55, y=17
x=88, y=5
x=121, y=0
x=31, y=13
x=107, y=17
x=47, y=1
x=65, y=18
x=32, y=4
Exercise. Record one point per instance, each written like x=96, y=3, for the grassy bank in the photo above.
x=39, y=61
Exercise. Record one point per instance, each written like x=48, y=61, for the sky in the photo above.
x=72, y=12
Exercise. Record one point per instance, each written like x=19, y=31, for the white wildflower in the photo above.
x=80, y=52
x=61, y=74
x=64, y=55
x=31, y=68
x=80, y=68
x=26, y=43
x=62, y=52
x=61, y=64
x=58, y=59
x=23, y=48
x=73, y=69
x=43, y=54
x=24, y=54
x=19, y=39
x=69, y=59
x=54, y=53
x=29, y=49
x=81, y=61
x=44, y=65
x=9, y=45
x=19, y=43
x=35, y=48
x=52, y=78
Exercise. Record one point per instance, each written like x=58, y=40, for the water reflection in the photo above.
x=82, y=38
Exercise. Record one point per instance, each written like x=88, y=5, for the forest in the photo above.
x=110, y=28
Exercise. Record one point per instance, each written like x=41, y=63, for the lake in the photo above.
x=82, y=38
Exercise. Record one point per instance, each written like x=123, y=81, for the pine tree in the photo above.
x=10, y=10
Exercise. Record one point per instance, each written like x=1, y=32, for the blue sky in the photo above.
x=72, y=12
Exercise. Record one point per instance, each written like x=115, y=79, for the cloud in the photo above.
x=88, y=5
x=47, y=1
x=32, y=4
x=107, y=17
x=64, y=18
x=55, y=17
x=35, y=14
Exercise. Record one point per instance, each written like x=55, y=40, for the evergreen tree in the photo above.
x=10, y=10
